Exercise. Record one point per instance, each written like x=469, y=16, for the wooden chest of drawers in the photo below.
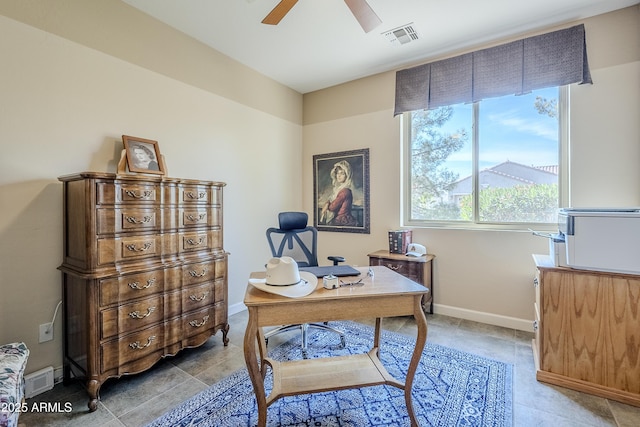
x=418, y=269
x=144, y=272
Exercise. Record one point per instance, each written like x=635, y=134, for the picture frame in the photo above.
x=143, y=155
x=341, y=191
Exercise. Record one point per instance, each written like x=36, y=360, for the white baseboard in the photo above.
x=482, y=317
x=460, y=313
x=236, y=308
x=57, y=375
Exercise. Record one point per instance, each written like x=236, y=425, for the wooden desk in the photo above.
x=388, y=294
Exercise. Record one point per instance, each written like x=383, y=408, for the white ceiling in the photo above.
x=319, y=43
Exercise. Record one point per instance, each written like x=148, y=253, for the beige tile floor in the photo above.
x=138, y=399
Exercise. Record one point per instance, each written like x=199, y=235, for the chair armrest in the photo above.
x=336, y=259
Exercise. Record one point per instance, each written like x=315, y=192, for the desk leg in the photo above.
x=376, y=336
x=251, y=336
x=262, y=347
x=421, y=340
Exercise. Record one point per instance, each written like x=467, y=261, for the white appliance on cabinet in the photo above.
x=602, y=239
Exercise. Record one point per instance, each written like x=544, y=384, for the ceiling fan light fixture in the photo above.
x=360, y=9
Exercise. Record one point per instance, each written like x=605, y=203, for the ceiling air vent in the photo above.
x=402, y=35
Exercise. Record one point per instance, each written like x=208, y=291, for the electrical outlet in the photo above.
x=46, y=332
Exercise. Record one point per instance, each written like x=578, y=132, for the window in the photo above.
x=494, y=163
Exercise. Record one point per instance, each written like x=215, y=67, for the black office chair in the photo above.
x=300, y=242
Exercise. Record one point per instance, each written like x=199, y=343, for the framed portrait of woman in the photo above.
x=143, y=155
x=341, y=191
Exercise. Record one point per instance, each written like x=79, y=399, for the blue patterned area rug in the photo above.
x=451, y=388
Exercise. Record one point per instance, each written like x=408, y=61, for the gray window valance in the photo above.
x=553, y=59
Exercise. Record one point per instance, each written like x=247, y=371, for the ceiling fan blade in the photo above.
x=366, y=17
x=278, y=12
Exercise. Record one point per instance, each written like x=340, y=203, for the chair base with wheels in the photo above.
x=299, y=241
x=304, y=329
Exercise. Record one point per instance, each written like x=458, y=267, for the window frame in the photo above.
x=563, y=175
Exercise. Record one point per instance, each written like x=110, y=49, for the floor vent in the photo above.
x=402, y=35
x=38, y=382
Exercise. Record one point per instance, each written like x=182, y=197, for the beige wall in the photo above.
x=63, y=109
x=487, y=275
x=120, y=30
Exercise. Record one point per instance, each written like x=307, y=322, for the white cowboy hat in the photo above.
x=284, y=278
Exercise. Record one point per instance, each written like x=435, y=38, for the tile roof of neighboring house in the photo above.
x=549, y=168
x=509, y=174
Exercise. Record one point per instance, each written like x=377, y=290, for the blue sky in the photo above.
x=510, y=129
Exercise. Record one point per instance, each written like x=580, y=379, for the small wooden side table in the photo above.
x=418, y=269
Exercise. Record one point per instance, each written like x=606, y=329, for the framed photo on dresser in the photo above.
x=143, y=155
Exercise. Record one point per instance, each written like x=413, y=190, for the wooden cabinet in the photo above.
x=587, y=330
x=418, y=269
x=144, y=273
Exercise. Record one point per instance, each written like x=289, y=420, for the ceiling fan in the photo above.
x=360, y=8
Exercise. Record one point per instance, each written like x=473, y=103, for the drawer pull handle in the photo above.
x=136, y=314
x=134, y=220
x=394, y=267
x=197, y=324
x=198, y=218
x=195, y=298
x=133, y=247
x=195, y=243
x=145, y=194
x=136, y=345
x=136, y=285
x=194, y=273
x=192, y=195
